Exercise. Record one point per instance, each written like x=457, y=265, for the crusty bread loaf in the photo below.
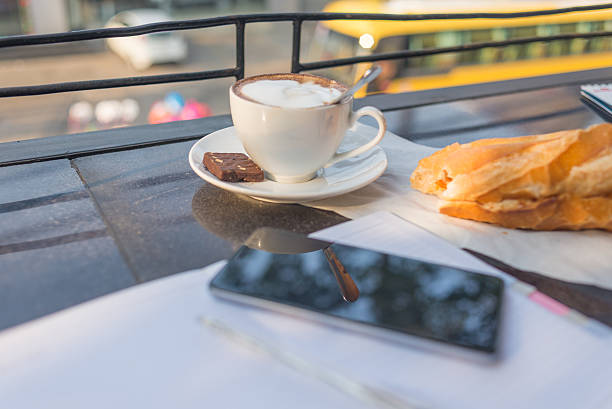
x=465, y=172
x=561, y=180
x=552, y=213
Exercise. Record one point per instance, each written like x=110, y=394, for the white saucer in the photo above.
x=343, y=177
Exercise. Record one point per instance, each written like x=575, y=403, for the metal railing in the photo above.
x=239, y=21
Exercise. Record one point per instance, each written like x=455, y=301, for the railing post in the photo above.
x=239, y=50
x=297, y=42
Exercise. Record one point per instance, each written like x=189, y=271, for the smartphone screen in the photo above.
x=372, y=289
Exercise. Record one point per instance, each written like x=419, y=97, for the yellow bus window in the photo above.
x=598, y=44
x=494, y=54
x=554, y=48
x=580, y=45
x=423, y=42
x=443, y=40
x=607, y=41
x=519, y=51
x=482, y=55
x=541, y=49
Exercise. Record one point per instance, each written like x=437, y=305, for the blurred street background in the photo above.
x=268, y=49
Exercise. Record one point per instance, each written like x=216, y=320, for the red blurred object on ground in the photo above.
x=166, y=111
x=159, y=114
x=194, y=109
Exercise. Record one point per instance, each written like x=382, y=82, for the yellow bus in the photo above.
x=346, y=38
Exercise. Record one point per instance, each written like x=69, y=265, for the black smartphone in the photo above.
x=378, y=294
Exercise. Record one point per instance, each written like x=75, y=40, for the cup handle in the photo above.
x=382, y=128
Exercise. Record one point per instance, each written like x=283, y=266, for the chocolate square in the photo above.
x=233, y=167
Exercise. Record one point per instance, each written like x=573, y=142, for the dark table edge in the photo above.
x=592, y=301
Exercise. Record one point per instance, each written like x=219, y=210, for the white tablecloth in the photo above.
x=144, y=347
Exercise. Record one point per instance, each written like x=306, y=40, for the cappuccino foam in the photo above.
x=289, y=93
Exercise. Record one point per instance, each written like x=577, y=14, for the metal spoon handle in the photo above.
x=367, y=77
x=348, y=288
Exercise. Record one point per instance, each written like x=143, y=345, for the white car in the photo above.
x=145, y=50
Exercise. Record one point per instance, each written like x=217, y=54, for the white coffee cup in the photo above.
x=292, y=144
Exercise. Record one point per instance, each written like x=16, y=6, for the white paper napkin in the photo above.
x=580, y=257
